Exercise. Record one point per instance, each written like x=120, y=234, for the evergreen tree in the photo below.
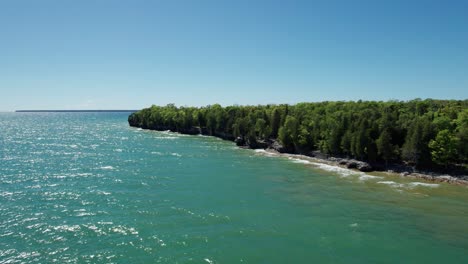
x=384, y=146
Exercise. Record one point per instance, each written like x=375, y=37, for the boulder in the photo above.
x=364, y=166
x=343, y=162
x=257, y=144
x=239, y=141
x=352, y=164
x=278, y=147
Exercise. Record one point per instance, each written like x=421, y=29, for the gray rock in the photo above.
x=343, y=162
x=352, y=164
x=278, y=147
x=239, y=141
x=364, y=167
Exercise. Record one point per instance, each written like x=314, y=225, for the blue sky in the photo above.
x=131, y=54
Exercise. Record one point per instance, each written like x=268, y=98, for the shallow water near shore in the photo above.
x=87, y=188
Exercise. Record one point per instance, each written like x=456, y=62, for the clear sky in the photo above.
x=131, y=54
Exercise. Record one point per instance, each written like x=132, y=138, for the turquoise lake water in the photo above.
x=87, y=188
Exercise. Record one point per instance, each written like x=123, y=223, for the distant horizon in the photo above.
x=224, y=105
x=75, y=110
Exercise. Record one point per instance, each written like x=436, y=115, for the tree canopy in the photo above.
x=422, y=133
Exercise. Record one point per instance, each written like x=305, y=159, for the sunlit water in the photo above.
x=87, y=188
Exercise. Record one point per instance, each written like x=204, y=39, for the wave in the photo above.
x=343, y=172
x=416, y=184
x=300, y=161
x=410, y=185
x=391, y=183
x=369, y=177
x=167, y=137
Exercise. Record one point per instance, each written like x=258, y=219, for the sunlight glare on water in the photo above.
x=87, y=188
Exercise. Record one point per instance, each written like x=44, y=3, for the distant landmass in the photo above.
x=67, y=111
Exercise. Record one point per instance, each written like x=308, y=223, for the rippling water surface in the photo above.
x=86, y=188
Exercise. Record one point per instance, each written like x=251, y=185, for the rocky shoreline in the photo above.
x=353, y=165
x=274, y=146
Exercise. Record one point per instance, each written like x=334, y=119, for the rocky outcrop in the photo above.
x=258, y=144
x=275, y=145
x=239, y=141
x=353, y=164
x=224, y=136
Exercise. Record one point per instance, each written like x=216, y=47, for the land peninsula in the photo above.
x=418, y=138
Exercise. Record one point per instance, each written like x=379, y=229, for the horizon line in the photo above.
x=70, y=110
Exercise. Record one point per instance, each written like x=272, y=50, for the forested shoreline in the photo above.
x=425, y=134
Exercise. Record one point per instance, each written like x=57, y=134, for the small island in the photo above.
x=426, y=138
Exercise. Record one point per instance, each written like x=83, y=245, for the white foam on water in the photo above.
x=264, y=152
x=70, y=228
x=353, y=225
x=85, y=214
x=416, y=184
x=107, y=168
x=105, y=223
x=391, y=183
x=120, y=229
x=300, y=161
x=343, y=172
x=167, y=137
x=366, y=177
x=176, y=154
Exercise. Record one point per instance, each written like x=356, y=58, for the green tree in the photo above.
x=275, y=122
x=462, y=135
x=443, y=147
x=261, y=128
x=288, y=132
x=385, y=147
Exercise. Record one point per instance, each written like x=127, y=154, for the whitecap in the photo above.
x=124, y=230
x=415, y=184
x=107, y=168
x=342, y=171
x=176, y=154
x=85, y=214
x=391, y=183
x=167, y=137
x=70, y=228
x=105, y=223
x=300, y=161
x=368, y=177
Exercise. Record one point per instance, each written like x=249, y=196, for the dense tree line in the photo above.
x=422, y=133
